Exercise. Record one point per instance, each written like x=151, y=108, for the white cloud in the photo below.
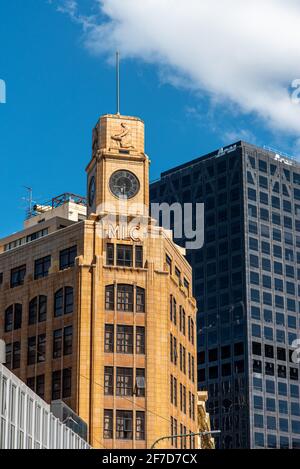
x=70, y=8
x=241, y=52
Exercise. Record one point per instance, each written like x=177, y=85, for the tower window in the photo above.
x=110, y=297
x=124, y=381
x=108, y=424
x=140, y=384
x=108, y=380
x=139, y=256
x=140, y=300
x=169, y=263
x=124, y=425
x=109, y=338
x=140, y=340
x=124, y=339
x=125, y=298
x=110, y=255
x=124, y=255
x=140, y=425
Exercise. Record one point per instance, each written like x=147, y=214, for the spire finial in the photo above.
x=118, y=80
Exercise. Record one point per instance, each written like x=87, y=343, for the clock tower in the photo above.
x=118, y=173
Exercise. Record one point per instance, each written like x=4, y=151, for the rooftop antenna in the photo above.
x=29, y=201
x=118, y=81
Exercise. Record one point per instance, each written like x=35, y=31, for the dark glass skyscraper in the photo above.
x=247, y=285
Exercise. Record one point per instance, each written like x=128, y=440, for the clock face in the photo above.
x=124, y=184
x=92, y=191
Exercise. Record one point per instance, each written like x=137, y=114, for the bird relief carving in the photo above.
x=122, y=140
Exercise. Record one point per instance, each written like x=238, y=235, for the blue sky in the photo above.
x=59, y=81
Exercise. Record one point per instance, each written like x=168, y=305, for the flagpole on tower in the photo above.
x=118, y=80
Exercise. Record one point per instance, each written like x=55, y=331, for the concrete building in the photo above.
x=26, y=421
x=99, y=312
x=246, y=282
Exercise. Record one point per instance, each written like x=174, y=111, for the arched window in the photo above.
x=63, y=301
x=37, y=309
x=13, y=317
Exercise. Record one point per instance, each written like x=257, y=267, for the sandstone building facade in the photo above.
x=97, y=306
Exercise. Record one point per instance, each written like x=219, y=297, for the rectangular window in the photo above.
x=36, y=352
x=17, y=276
x=67, y=257
x=125, y=298
x=140, y=300
x=108, y=380
x=178, y=275
x=57, y=343
x=173, y=349
x=67, y=382
x=139, y=263
x=37, y=385
x=40, y=386
x=41, y=267
x=110, y=256
x=264, y=198
x=173, y=309
x=169, y=264
x=263, y=182
x=263, y=166
x=252, y=211
x=109, y=338
x=124, y=381
x=140, y=340
x=68, y=340
x=110, y=297
x=61, y=384
x=252, y=194
x=124, y=425
x=186, y=285
x=124, y=255
x=124, y=339
x=140, y=425
x=108, y=424
x=41, y=348
x=140, y=382
x=13, y=355
x=56, y=385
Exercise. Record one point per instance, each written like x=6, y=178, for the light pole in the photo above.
x=184, y=435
